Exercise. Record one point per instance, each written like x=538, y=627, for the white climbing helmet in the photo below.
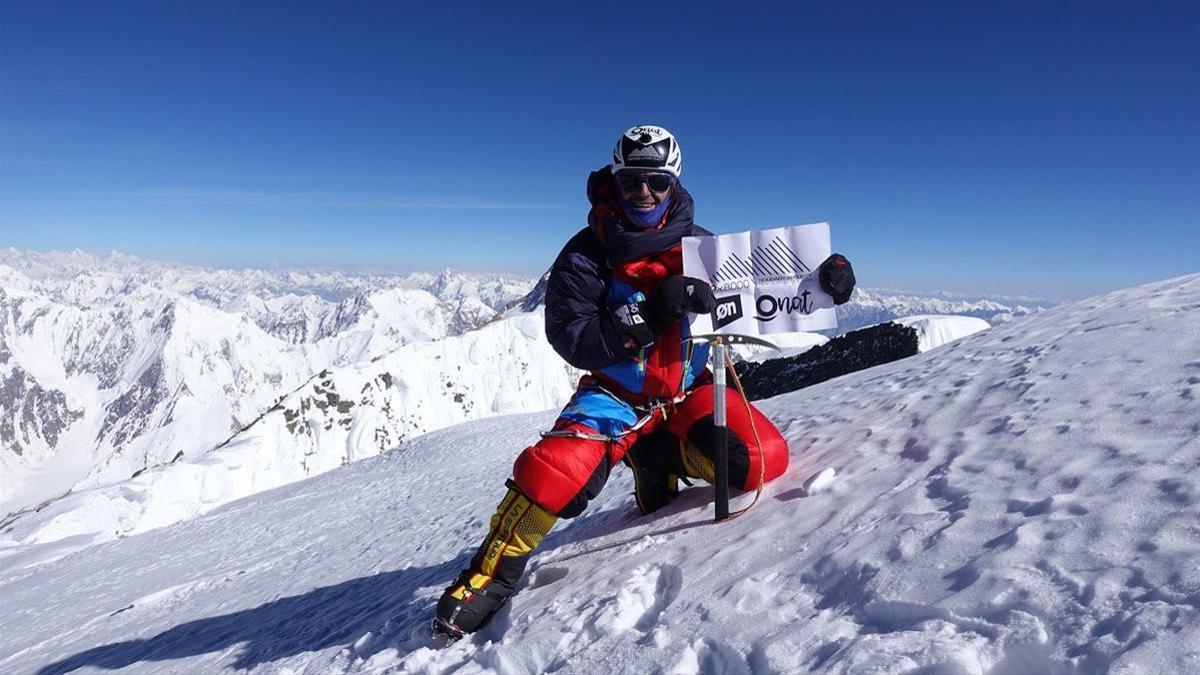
x=648, y=148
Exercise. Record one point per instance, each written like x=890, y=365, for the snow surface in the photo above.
x=934, y=331
x=1023, y=500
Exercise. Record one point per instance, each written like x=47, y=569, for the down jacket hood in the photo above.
x=624, y=241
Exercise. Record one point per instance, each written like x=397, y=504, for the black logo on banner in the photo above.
x=727, y=311
x=769, y=306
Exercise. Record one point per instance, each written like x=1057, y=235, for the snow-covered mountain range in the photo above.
x=1023, y=500
x=113, y=366
x=338, y=416
x=871, y=306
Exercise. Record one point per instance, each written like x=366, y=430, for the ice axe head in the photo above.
x=731, y=339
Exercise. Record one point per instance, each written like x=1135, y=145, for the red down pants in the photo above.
x=568, y=468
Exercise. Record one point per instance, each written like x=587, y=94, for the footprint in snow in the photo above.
x=711, y=656
x=1029, y=509
x=544, y=576
x=756, y=594
x=914, y=450
x=962, y=577
x=649, y=590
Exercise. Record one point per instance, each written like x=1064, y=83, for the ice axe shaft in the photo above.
x=720, y=343
x=720, y=432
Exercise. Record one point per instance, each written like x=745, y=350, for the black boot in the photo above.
x=654, y=461
x=465, y=608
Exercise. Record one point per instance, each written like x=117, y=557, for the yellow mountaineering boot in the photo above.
x=517, y=528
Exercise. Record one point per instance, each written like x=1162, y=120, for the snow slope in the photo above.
x=933, y=331
x=1023, y=500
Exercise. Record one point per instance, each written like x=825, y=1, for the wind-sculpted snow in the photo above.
x=1022, y=500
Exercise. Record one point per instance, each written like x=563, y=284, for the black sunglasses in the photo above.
x=657, y=182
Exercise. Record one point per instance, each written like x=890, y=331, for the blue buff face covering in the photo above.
x=643, y=218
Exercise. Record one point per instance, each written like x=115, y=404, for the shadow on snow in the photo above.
x=318, y=619
x=339, y=614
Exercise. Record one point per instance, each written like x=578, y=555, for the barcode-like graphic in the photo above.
x=776, y=259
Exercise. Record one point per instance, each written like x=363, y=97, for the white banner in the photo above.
x=765, y=281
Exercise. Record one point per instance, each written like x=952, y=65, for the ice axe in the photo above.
x=719, y=344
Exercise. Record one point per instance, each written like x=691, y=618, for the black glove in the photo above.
x=677, y=296
x=640, y=322
x=633, y=324
x=837, y=278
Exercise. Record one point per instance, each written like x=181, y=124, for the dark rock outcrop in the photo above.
x=848, y=353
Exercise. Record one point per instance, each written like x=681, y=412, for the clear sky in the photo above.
x=1042, y=148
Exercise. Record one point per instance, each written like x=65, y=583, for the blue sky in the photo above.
x=1013, y=148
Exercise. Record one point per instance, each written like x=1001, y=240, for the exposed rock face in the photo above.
x=127, y=417
x=30, y=412
x=537, y=296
